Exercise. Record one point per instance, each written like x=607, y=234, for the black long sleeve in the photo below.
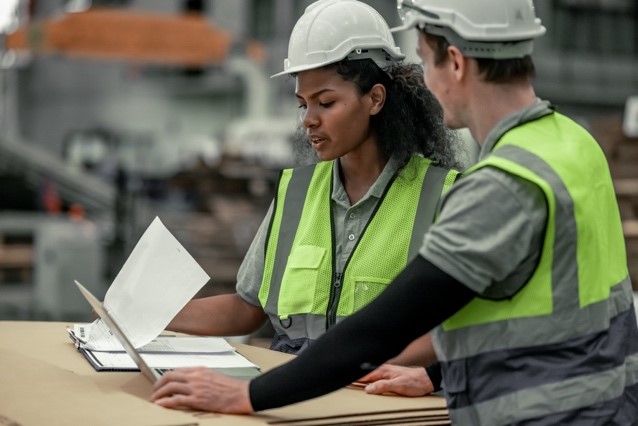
x=434, y=373
x=420, y=298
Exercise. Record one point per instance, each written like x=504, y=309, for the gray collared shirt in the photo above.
x=349, y=222
x=490, y=230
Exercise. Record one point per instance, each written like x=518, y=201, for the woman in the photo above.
x=339, y=230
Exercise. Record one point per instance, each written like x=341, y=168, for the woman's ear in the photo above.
x=377, y=98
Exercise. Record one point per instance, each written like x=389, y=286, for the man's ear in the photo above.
x=377, y=98
x=458, y=63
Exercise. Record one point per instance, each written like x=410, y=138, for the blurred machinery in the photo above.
x=89, y=202
x=40, y=256
x=66, y=251
x=630, y=119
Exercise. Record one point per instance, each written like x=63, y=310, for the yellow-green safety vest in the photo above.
x=301, y=291
x=540, y=352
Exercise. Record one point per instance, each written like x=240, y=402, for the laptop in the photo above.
x=151, y=373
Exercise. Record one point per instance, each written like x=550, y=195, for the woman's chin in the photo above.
x=323, y=155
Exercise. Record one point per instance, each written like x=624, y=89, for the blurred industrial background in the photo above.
x=115, y=111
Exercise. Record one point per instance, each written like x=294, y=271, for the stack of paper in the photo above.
x=157, y=280
x=163, y=352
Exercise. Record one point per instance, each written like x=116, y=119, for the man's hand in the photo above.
x=200, y=388
x=399, y=380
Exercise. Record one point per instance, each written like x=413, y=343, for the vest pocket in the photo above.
x=365, y=290
x=455, y=384
x=300, y=279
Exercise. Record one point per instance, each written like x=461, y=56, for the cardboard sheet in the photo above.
x=46, y=381
x=37, y=393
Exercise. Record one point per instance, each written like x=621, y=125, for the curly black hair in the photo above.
x=411, y=121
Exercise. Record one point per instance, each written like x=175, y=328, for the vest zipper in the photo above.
x=337, y=282
x=335, y=288
x=335, y=295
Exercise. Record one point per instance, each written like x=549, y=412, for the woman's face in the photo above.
x=335, y=117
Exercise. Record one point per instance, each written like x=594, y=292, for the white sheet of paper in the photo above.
x=157, y=280
x=223, y=360
x=101, y=339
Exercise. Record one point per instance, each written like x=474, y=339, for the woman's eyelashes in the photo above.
x=321, y=104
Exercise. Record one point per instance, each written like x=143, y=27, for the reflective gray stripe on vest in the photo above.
x=598, y=352
x=426, y=210
x=293, y=206
x=572, y=394
x=300, y=326
x=615, y=412
x=532, y=331
x=481, y=346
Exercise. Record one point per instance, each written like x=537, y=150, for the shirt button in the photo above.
x=352, y=215
x=351, y=237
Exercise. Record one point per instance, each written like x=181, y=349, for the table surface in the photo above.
x=46, y=381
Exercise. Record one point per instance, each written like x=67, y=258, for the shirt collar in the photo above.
x=539, y=109
x=378, y=187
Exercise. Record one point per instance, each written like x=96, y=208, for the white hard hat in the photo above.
x=331, y=30
x=497, y=29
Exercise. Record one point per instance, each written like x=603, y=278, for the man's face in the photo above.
x=441, y=81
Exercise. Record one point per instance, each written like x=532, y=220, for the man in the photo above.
x=525, y=270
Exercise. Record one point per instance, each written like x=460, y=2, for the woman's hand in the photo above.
x=399, y=380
